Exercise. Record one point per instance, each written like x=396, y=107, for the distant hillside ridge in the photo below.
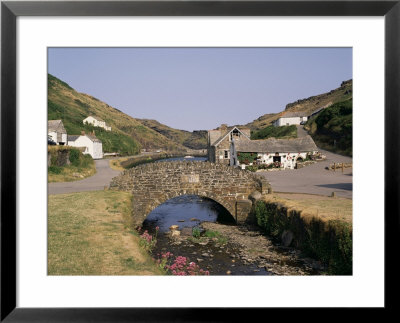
x=308, y=105
x=193, y=140
x=128, y=134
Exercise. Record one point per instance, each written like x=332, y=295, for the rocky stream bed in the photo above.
x=236, y=250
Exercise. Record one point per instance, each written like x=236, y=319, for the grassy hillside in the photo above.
x=193, y=140
x=332, y=129
x=308, y=105
x=284, y=132
x=128, y=134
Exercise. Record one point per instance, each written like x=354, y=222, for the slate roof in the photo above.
x=56, y=126
x=73, y=137
x=226, y=133
x=93, y=138
x=272, y=145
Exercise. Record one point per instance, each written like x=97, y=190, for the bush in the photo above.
x=86, y=161
x=246, y=158
x=196, y=232
x=55, y=169
x=74, y=157
x=332, y=128
x=276, y=132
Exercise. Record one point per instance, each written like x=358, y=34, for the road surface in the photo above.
x=102, y=178
x=314, y=179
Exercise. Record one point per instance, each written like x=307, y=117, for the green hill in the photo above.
x=332, y=128
x=128, y=134
x=308, y=105
x=284, y=132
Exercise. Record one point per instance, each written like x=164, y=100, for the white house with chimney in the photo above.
x=97, y=122
x=93, y=146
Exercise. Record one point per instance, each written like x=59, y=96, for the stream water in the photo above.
x=222, y=247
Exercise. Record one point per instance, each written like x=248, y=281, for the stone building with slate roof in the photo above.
x=57, y=132
x=282, y=152
x=219, y=142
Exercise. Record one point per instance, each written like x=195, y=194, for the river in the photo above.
x=209, y=237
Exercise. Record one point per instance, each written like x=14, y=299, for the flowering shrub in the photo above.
x=147, y=241
x=180, y=266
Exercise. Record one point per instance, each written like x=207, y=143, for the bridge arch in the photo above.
x=153, y=184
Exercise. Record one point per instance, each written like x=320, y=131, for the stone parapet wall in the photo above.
x=155, y=183
x=58, y=156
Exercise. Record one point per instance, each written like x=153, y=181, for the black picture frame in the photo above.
x=10, y=10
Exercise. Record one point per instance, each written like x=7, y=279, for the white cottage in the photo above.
x=57, y=132
x=93, y=146
x=97, y=122
x=283, y=152
x=290, y=118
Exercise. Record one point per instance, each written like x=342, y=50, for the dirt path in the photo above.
x=96, y=182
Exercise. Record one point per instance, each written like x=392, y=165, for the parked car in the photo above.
x=50, y=141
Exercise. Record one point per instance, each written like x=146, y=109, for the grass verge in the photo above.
x=89, y=234
x=116, y=163
x=315, y=206
x=69, y=173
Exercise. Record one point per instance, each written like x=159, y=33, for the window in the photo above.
x=235, y=134
x=226, y=154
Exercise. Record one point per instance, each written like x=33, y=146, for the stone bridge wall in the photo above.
x=155, y=183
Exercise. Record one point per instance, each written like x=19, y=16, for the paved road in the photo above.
x=314, y=179
x=301, y=132
x=96, y=182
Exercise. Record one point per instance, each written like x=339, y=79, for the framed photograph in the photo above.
x=251, y=87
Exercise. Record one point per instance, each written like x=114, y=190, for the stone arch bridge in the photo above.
x=153, y=184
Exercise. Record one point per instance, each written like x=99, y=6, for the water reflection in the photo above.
x=187, y=211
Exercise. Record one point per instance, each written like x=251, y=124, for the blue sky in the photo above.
x=201, y=88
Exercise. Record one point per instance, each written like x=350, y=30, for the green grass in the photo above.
x=283, y=132
x=89, y=233
x=215, y=236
